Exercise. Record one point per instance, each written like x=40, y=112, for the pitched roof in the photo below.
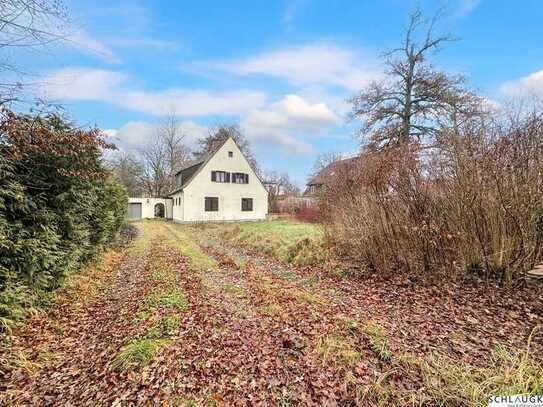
x=187, y=172
x=332, y=169
x=190, y=172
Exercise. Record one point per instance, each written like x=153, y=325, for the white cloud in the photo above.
x=467, y=6
x=86, y=44
x=141, y=42
x=325, y=64
x=531, y=85
x=134, y=135
x=280, y=123
x=82, y=84
x=191, y=102
x=105, y=85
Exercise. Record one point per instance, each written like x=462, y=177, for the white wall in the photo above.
x=178, y=206
x=148, y=206
x=229, y=194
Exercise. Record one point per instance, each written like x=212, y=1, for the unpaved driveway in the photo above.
x=248, y=330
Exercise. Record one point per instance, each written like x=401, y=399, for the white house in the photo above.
x=220, y=187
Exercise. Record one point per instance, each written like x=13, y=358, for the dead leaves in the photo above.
x=253, y=332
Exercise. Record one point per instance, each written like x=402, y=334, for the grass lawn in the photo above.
x=287, y=240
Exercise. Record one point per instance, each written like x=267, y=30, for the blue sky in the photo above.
x=282, y=70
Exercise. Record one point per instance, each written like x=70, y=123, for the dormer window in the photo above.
x=230, y=154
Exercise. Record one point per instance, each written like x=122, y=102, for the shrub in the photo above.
x=473, y=202
x=308, y=213
x=58, y=207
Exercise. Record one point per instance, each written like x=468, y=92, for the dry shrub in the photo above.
x=308, y=213
x=471, y=202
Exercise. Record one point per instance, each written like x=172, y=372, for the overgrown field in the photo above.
x=294, y=242
x=185, y=317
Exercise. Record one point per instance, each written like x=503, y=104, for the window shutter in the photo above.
x=213, y=176
x=246, y=178
x=227, y=177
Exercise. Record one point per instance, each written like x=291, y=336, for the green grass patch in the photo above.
x=164, y=274
x=378, y=342
x=138, y=353
x=336, y=349
x=286, y=240
x=271, y=309
x=199, y=261
x=173, y=299
x=170, y=324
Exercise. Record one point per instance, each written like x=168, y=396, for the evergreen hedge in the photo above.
x=59, y=207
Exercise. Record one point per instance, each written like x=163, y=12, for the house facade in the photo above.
x=221, y=187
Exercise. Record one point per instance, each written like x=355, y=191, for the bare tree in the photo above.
x=323, y=160
x=163, y=157
x=26, y=24
x=408, y=104
x=155, y=173
x=279, y=186
x=218, y=135
x=176, y=153
x=129, y=171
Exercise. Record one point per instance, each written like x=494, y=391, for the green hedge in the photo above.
x=59, y=207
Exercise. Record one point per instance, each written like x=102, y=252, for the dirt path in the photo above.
x=243, y=337
x=181, y=318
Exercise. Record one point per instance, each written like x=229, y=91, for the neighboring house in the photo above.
x=220, y=187
x=325, y=176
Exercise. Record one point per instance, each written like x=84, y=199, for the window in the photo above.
x=247, y=204
x=230, y=154
x=240, y=178
x=211, y=204
x=220, y=176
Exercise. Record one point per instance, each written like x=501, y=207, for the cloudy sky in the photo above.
x=282, y=69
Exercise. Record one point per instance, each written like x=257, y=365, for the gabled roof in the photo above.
x=189, y=173
x=332, y=169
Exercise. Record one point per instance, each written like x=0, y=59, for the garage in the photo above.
x=134, y=211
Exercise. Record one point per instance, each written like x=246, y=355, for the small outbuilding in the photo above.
x=149, y=208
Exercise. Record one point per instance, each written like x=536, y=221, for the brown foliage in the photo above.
x=472, y=202
x=24, y=138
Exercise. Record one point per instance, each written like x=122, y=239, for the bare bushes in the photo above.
x=473, y=201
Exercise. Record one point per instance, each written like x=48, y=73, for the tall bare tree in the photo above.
x=409, y=102
x=129, y=171
x=164, y=156
x=26, y=24
x=218, y=135
x=176, y=153
x=155, y=173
